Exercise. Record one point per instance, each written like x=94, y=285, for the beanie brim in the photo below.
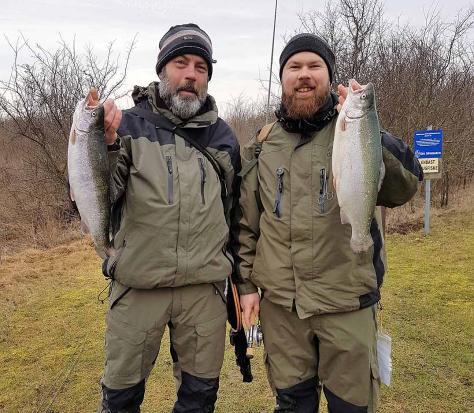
x=308, y=42
x=185, y=39
x=180, y=51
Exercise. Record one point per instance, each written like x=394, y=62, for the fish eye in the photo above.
x=363, y=96
x=93, y=113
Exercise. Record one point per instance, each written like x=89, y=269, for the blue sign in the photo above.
x=428, y=143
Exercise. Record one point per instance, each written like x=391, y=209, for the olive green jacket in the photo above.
x=292, y=245
x=170, y=225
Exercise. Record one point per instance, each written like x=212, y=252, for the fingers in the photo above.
x=342, y=92
x=93, y=97
x=112, y=119
x=246, y=315
x=250, y=314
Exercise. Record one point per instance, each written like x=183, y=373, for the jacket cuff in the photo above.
x=114, y=146
x=247, y=288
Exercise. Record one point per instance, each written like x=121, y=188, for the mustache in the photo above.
x=305, y=84
x=187, y=87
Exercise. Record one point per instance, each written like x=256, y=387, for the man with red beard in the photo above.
x=318, y=297
x=174, y=164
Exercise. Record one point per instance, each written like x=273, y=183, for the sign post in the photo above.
x=429, y=150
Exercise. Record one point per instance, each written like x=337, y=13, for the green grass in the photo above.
x=51, y=331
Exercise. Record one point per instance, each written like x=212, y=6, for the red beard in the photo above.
x=298, y=108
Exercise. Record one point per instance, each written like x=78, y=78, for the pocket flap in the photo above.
x=209, y=327
x=124, y=331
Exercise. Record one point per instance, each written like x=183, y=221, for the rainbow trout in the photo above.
x=357, y=163
x=89, y=175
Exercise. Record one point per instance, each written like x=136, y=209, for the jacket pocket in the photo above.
x=326, y=196
x=124, y=345
x=202, y=170
x=278, y=192
x=169, y=166
x=110, y=263
x=210, y=343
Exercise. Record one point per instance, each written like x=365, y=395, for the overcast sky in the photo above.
x=241, y=31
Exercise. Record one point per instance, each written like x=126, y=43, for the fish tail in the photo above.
x=359, y=245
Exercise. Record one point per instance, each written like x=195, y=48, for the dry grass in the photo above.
x=410, y=217
x=51, y=330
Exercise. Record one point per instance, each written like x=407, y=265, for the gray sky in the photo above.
x=240, y=30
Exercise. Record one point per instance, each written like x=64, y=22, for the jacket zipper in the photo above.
x=279, y=192
x=169, y=164
x=203, y=178
x=323, y=189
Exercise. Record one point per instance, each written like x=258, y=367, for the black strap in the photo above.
x=163, y=123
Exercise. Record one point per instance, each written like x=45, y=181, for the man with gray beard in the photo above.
x=174, y=166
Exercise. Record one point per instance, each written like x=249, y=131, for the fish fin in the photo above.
x=72, y=136
x=111, y=252
x=361, y=245
x=344, y=124
x=84, y=227
x=382, y=174
x=334, y=183
x=101, y=253
x=344, y=217
x=71, y=194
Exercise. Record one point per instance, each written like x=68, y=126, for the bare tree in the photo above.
x=36, y=106
x=351, y=28
x=422, y=76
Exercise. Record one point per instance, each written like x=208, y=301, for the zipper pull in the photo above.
x=203, y=178
x=279, y=192
x=322, y=189
x=169, y=165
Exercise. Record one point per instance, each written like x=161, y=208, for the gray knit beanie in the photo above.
x=185, y=39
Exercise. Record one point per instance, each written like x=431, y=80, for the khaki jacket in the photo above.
x=172, y=229
x=293, y=246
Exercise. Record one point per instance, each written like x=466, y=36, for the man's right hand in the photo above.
x=250, y=304
x=112, y=115
x=112, y=119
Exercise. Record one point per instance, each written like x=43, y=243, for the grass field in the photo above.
x=51, y=330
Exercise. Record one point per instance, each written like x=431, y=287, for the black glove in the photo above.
x=239, y=341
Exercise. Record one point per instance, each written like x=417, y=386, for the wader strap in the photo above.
x=261, y=137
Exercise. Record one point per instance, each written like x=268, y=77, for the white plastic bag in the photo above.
x=384, y=356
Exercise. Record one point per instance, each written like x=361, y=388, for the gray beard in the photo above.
x=182, y=107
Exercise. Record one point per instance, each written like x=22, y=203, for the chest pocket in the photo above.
x=325, y=199
x=170, y=183
x=278, y=191
x=203, y=177
x=326, y=193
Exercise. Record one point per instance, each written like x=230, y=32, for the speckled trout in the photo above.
x=88, y=170
x=357, y=164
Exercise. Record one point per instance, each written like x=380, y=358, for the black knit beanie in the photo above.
x=185, y=39
x=308, y=42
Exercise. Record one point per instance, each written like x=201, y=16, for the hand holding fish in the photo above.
x=342, y=93
x=357, y=161
x=112, y=115
x=88, y=167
